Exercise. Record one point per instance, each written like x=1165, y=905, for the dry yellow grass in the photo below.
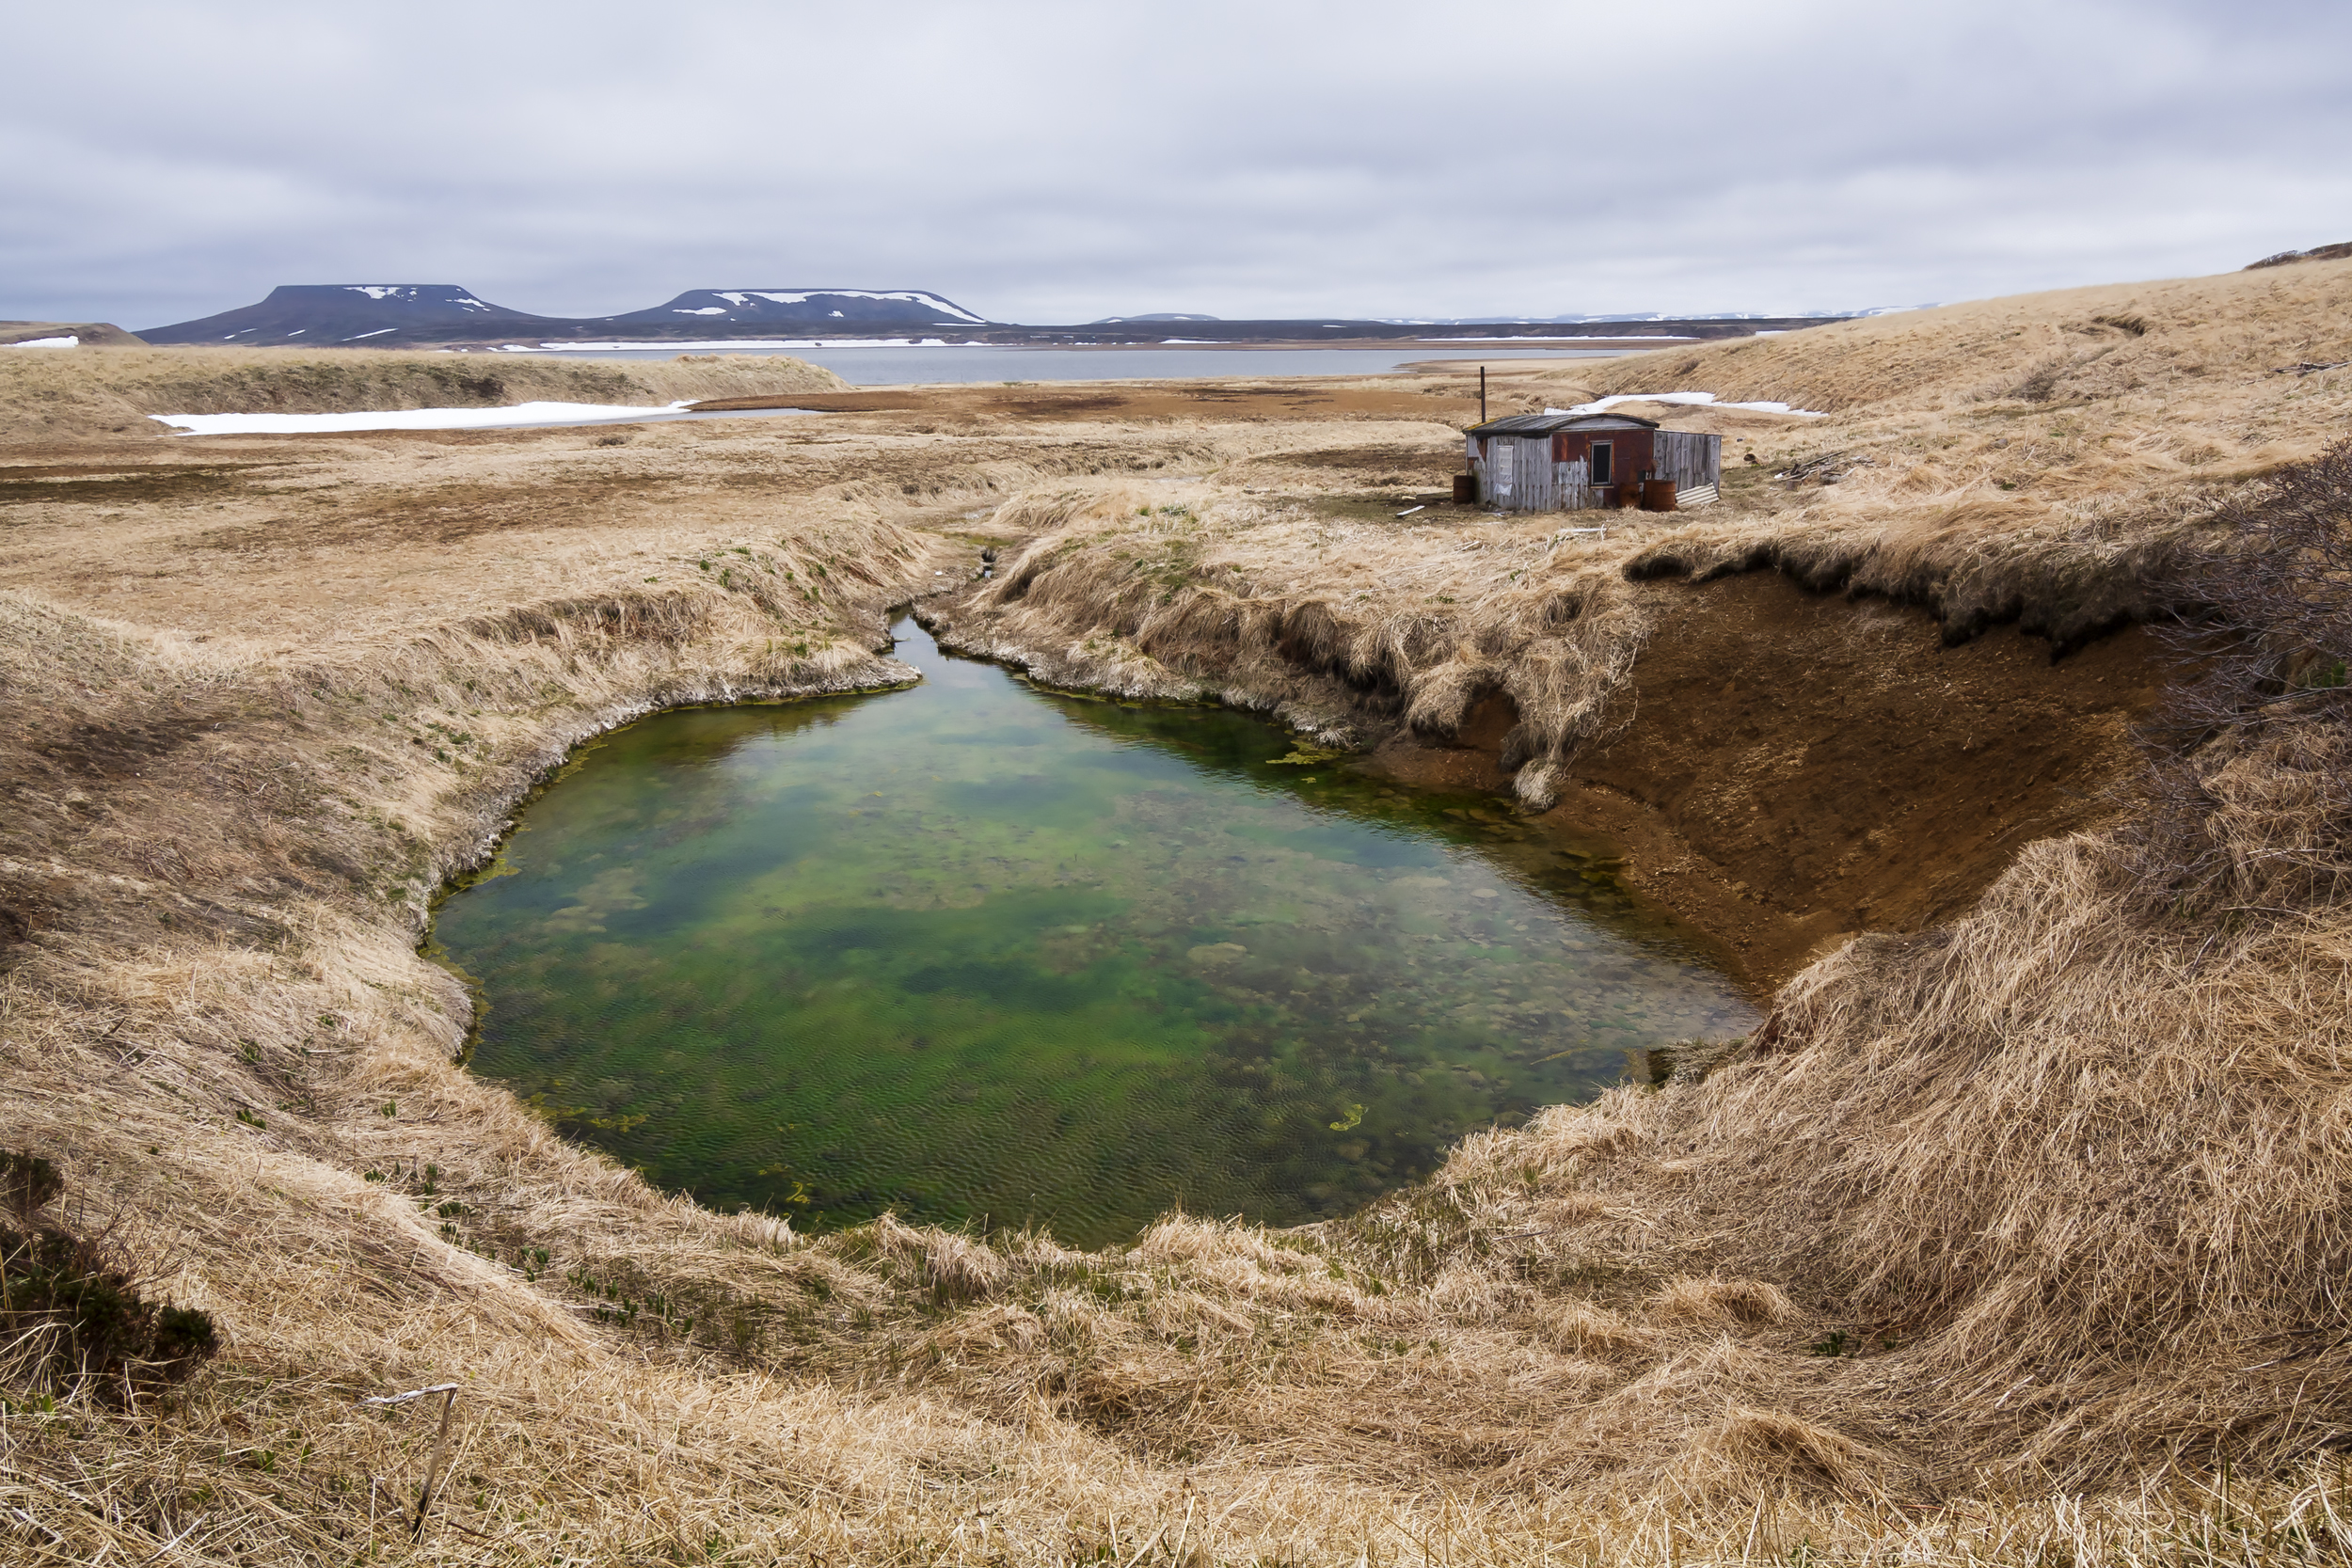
x=2057, y=1184
x=2202, y=347
x=52, y=394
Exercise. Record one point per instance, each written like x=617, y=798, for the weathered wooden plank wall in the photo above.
x=1516, y=473
x=1691, y=460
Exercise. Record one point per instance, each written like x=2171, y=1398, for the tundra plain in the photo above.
x=2013, y=1236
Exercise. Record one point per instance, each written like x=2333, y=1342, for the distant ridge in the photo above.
x=2340, y=252
x=408, y=315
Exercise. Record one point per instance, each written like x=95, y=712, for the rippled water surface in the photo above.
x=977, y=952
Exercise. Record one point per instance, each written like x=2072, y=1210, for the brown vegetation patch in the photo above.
x=108, y=485
x=1416, y=461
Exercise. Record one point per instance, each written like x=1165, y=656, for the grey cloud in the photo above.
x=1063, y=162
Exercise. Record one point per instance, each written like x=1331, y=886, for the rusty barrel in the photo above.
x=1658, y=494
x=1465, y=489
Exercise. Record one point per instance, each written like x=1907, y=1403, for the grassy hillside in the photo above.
x=2202, y=348
x=89, y=334
x=47, y=394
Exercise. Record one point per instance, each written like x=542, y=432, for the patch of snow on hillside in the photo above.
x=378, y=333
x=376, y=291
x=48, y=342
x=523, y=415
x=908, y=296
x=1695, y=400
x=705, y=310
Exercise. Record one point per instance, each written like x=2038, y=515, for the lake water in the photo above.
x=915, y=365
x=984, y=954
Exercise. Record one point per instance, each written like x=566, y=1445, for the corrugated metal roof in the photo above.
x=1548, y=425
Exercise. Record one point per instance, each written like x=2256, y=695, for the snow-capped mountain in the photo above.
x=370, y=314
x=390, y=315
x=843, y=308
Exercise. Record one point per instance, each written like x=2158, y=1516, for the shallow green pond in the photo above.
x=979, y=953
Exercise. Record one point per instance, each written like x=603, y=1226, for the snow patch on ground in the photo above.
x=522, y=416
x=1696, y=400
x=48, y=342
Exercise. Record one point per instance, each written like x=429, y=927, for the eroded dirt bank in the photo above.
x=1792, y=769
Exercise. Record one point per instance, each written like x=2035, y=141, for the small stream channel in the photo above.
x=980, y=953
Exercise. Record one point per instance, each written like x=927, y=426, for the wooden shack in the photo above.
x=1570, y=462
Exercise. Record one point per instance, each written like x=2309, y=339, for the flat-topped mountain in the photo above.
x=809, y=309
x=379, y=315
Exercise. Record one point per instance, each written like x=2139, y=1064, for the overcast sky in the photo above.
x=1048, y=163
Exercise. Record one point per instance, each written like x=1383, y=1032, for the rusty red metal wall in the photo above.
x=1631, y=451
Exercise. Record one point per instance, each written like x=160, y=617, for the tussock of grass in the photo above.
x=1723, y=1301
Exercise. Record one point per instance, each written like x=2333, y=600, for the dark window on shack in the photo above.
x=1600, y=463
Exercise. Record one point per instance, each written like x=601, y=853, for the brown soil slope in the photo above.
x=1795, y=769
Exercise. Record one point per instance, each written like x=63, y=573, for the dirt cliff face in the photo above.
x=1794, y=769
